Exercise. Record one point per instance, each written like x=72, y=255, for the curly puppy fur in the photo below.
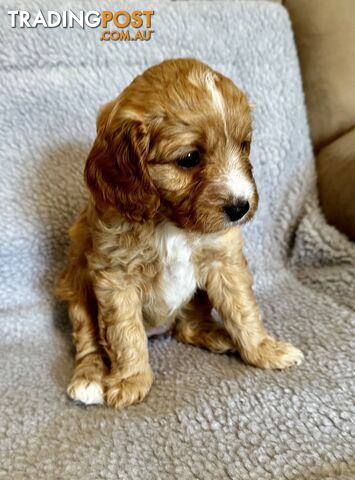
x=158, y=245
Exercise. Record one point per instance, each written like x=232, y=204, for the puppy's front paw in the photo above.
x=129, y=390
x=272, y=353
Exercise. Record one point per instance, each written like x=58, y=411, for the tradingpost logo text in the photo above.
x=121, y=25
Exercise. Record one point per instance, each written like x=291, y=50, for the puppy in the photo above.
x=159, y=245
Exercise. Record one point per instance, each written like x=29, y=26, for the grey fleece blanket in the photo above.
x=208, y=416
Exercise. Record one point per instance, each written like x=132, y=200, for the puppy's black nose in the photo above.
x=236, y=211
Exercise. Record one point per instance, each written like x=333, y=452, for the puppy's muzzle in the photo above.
x=236, y=211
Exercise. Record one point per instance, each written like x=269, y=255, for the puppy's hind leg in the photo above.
x=86, y=384
x=196, y=326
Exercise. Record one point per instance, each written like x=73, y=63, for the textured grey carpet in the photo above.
x=208, y=416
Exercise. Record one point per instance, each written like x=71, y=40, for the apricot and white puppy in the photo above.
x=159, y=245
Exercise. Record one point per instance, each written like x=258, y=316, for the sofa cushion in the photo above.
x=336, y=182
x=325, y=37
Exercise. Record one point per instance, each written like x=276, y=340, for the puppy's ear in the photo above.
x=116, y=171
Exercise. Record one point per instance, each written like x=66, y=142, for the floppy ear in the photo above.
x=116, y=172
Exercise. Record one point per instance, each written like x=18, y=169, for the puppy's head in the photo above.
x=176, y=144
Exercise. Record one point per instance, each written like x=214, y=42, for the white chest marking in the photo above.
x=178, y=282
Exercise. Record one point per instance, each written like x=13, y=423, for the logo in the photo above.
x=121, y=25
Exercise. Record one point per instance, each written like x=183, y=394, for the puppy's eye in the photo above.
x=245, y=146
x=191, y=160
